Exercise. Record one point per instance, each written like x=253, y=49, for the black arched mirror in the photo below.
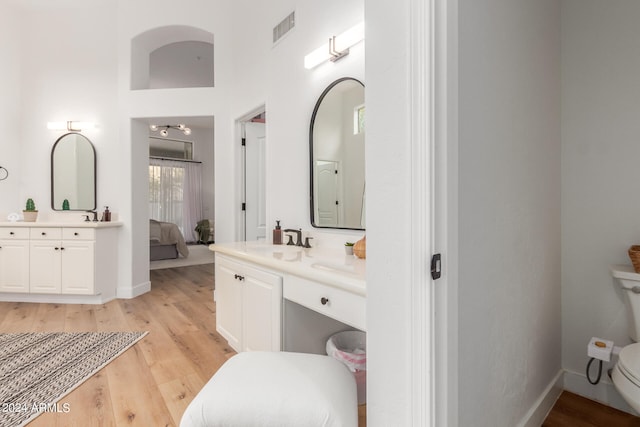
x=337, y=157
x=73, y=173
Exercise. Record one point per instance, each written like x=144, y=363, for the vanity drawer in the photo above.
x=14, y=233
x=78, y=233
x=336, y=303
x=45, y=233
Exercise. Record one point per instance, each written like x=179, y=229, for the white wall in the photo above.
x=61, y=75
x=134, y=19
x=10, y=144
x=275, y=76
x=600, y=155
x=389, y=246
x=509, y=208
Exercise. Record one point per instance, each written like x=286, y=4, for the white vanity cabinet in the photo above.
x=343, y=306
x=14, y=260
x=62, y=261
x=248, y=305
x=275, y=297
x=43, y=262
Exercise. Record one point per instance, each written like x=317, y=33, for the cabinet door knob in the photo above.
x=62, y=249
x=11, y=233
x=56, y=249
x=324, y=301
x=43, y=233
x=75, y=234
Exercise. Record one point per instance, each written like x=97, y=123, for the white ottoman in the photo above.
x=281, y=389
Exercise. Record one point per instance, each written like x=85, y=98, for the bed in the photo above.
x=166, y=241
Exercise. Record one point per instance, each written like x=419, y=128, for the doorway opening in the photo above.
x=252, y=193
x=179, y=160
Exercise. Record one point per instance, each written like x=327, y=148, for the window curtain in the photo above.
x=175, y=194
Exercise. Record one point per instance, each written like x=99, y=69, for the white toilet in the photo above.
x=626, y=373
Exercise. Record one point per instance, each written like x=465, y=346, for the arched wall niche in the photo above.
x=174, y=56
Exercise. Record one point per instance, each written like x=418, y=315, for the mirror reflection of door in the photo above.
x=255, y=201
x=327, y=185
x=337, y=137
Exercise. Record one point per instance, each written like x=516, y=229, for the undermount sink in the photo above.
x=261, y=247
x=341, y=268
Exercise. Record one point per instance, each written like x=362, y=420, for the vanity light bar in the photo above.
x=336, y=48
x=71, y=126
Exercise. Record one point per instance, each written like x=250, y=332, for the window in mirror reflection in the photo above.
x=337, y=156
x=358, y=119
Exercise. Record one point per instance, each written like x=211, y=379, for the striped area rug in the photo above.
x=38, y=369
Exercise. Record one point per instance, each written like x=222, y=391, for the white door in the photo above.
x=77, y=267
x=44, y=267
x=228, y=297
x=14, y=266
x=255, y=204
x=326, y=189
x=261, y=310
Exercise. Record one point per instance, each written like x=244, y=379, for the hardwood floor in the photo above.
x=572, y=410
x=152, y=383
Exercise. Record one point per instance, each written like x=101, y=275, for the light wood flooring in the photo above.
x=152, y=383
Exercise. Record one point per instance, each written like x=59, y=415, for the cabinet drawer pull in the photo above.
x=43, y=233
x=56, y=249
x=62, y=249
x=239, y=277
x=75, y=234
x=11, y=233
x=324, y=301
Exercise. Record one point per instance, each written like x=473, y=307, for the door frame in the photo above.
x=240, y=186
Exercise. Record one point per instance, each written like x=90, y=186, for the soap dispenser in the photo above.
x=277, y=234
x=106, y=215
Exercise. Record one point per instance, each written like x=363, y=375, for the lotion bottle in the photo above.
x=277, y=234
x=106, y=215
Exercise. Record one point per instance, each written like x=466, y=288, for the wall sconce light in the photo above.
x=71, y=126
x=338, y=47
x=164, y=129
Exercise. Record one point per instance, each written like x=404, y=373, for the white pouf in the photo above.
x=276, y=389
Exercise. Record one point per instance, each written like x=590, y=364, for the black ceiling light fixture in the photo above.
x=164, y=129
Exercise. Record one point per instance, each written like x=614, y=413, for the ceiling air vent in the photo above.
x=284, y=27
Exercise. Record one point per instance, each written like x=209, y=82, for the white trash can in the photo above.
x=350, y=348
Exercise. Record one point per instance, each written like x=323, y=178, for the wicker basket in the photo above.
x=634, y=254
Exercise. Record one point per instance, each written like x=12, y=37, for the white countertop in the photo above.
x=330, y=266
x=79, y=224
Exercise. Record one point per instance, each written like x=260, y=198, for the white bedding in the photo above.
x=167, y=233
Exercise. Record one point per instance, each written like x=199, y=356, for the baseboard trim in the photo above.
x=604, y=392
x=55, y=298
x=137, y=290
x=538, y=412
